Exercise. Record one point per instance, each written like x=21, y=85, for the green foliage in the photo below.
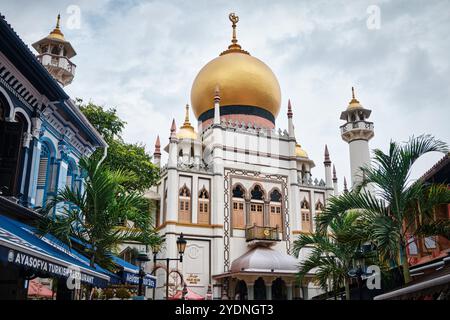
x=130, y=157
x=97, y=214
x=387, y=216
x=106, y=122
x=332, y=251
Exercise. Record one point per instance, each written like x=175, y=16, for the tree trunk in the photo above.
x=347, y=289
x=405, y=265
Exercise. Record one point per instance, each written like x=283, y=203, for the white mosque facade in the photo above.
x=239, y=190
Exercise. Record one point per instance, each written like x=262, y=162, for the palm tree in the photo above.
x=392, y=209
x=333, y=252
x=96, y=214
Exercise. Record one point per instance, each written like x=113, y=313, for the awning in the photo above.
x=130, y=273
x=19, y=245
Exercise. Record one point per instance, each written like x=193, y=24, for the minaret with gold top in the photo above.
x=357, y=132
x=55, y=52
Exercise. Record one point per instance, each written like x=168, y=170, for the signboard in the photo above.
x=133, y=278
x=38, y=264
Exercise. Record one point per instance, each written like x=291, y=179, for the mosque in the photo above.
x=240, y=190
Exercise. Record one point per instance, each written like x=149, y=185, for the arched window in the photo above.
x=184, y=212
x=257, y=206
x=238, y=216
x=238, y=192
x=306, y=215
x=257, y=193
x=319, y=206
x=259, y=289
x=275, y=209
x=203, y=206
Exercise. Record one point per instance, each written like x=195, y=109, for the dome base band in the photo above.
x=247, y=110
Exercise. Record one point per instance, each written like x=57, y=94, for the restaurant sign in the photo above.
x=72, y=272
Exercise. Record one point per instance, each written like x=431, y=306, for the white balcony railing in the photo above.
x=53, y=60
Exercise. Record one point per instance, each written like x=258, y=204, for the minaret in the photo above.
x=217, y=206
x=291, y=129
x=327, y=164
x=55, y=52
x=157, y=153
x=335, y=182
x=357, y=132
x=172, y=191
x=294, y=188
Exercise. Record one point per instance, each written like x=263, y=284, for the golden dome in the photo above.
x=243, y=80
x=299, y=152
x=354, y=103
x=56, y=33
x=187, y=130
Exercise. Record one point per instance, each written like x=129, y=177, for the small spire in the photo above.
x=186, y=118
x=173, y=128
x=58, y=18
x=289, y=113
x=327, y=156
x=217, y=94
x=334, y=174
x=56, y=33
x=345, y=185
x=354, y=101
x=157, y=147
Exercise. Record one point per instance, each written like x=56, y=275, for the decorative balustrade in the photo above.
x=48, y=59
x=357, y=125
x=262, y=233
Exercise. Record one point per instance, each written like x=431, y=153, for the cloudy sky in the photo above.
x=142, y=57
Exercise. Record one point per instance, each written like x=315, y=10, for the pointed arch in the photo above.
x=319, y=205
x=238, y=191
x=203, y=216
x=239, y=194
x=184, y=205
x=257, y=192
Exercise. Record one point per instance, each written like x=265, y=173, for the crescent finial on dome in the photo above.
x=234, y=46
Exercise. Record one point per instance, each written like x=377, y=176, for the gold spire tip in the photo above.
x=234, y=46
x=186, y=118
x=58, y=18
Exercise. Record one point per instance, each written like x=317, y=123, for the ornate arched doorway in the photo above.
x=260, y=289
x=279, y=290
x=240, y=292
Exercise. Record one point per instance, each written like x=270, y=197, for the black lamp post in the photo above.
x=181, y=246
x=142, y=258
x=155, y=249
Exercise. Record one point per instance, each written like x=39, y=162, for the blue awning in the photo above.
x=20, y=245
x=130, y=273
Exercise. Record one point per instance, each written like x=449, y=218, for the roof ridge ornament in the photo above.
x=234, y=46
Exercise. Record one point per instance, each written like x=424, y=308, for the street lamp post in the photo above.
x=181, y=246
x=142, y=258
